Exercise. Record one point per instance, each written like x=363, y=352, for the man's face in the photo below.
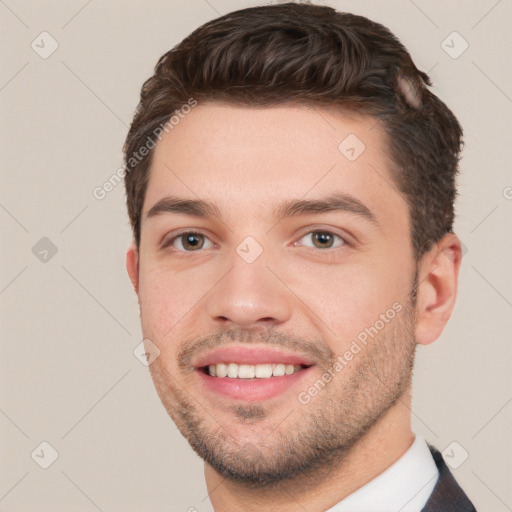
x=256, y=289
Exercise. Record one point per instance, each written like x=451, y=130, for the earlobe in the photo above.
x=132, y=266
x=437, y=288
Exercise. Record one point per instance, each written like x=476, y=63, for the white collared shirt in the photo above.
x=404, y=487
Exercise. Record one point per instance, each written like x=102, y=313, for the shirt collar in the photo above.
x=403, y=487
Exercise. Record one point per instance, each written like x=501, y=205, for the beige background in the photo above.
x=70, y=323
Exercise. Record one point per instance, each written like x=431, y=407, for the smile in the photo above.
x=252, y=371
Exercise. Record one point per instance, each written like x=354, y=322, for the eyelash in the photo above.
x=171, y=242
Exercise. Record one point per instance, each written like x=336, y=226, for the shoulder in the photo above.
x=447, y=494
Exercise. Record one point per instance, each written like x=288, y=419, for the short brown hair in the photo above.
x=312, y=55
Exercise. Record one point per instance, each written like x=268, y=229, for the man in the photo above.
x=290, y=184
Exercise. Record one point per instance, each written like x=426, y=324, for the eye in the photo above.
x=322, y=240
x=189, y=242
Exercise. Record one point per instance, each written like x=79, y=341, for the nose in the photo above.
x=249, y=296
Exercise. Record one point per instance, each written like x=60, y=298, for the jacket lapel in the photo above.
x=447, y=495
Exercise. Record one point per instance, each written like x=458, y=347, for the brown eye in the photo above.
x=323, y=240
x=190, y=242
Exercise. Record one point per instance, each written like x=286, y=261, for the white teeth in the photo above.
x=246, y=371
x=263, y=371
x=278, y=370
x=289, y=369
x=250, y=371
x=219, y=370
x=232, y=370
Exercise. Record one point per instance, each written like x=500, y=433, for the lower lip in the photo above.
x=251, y=390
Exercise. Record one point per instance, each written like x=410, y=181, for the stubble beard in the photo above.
x=313, y=438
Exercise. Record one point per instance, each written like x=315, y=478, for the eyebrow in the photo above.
x=334, y=202
x=289, y=208
x=193, y=207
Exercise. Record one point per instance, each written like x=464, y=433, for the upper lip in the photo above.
x=249, y=355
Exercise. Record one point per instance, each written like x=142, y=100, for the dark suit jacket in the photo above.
x=447, y=496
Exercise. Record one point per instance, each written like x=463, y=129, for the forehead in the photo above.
x=242, y=157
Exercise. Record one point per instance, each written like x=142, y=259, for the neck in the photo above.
x=380, y=447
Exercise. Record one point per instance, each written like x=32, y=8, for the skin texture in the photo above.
x=297, y=295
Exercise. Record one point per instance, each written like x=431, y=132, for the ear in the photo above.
x=132, y=266
x=437, y=288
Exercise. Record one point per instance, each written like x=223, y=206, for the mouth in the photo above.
x=250, y=373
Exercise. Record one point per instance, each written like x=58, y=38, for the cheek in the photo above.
x=165, y=301
x=346, y=299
